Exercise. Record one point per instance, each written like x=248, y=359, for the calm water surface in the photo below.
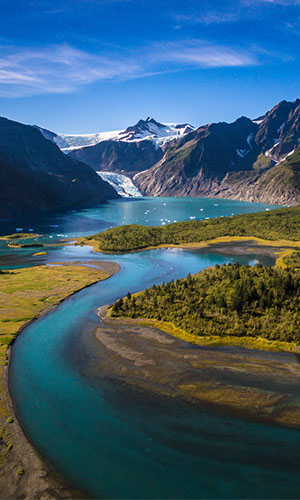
x=112, y=441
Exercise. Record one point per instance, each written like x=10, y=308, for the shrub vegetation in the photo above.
x=224, y=300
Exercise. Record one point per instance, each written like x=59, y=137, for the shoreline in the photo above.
x=250, y=343
x=40, y=479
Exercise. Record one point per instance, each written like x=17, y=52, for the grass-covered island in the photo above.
x=273, y=226
x=25, y=294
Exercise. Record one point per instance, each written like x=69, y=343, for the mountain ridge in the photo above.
x=230, y=160
x=36, y=176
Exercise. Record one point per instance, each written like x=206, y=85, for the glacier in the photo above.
x=122, y=184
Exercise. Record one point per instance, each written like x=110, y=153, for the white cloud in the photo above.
x=62, y=69
x=279, y=2
x=56, y=69
x=199, y=54
x=216, y=17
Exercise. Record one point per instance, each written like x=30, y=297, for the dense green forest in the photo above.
x=225, y=300
x=292, y=260
x=277, y=224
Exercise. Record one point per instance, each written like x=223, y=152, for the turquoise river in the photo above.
x=104, y=437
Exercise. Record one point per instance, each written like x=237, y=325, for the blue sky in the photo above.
x=83, y=66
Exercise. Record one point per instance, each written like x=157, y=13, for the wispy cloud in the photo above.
x=243, y=9
x=284, y=2
x=207, y=18
x=288, y=3
x=56, y=69
x=199, y=54
x=63, y=69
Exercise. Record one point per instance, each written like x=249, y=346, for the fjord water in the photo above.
x=114, y=442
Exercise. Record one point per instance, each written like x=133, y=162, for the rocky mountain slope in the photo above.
x=227, y=160
x=279, y=184
x=126, y=158
x=36, y=176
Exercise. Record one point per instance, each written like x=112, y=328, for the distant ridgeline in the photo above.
x=227, y=300
x=251, y=160
x=283, y=223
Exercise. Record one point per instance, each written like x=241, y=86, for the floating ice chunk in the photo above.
x=30, y=230
x=267, y=209
x=192, y=217
x=216, y=205
x=163, y=223
x=201, y=209
x=19, y=229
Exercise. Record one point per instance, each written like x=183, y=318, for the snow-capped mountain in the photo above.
x=160, y=133
x=149, y=129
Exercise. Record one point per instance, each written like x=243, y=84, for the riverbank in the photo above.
x=27, y=294
x=226, y=245
x=205, y=340
x=253, y=384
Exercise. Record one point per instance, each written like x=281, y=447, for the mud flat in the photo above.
x=253, y=384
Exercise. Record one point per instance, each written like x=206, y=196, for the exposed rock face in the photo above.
x=232, y=160
x=277, y=185
x=36, y=176
x=272, y=126
x=120, y=157
x=197, y=162
x=280, y=184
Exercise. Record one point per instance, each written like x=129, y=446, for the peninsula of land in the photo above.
x=27, y=294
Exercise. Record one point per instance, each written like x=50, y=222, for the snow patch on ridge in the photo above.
x=242, y=152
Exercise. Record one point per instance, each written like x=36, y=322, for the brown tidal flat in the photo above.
x=253, y=384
